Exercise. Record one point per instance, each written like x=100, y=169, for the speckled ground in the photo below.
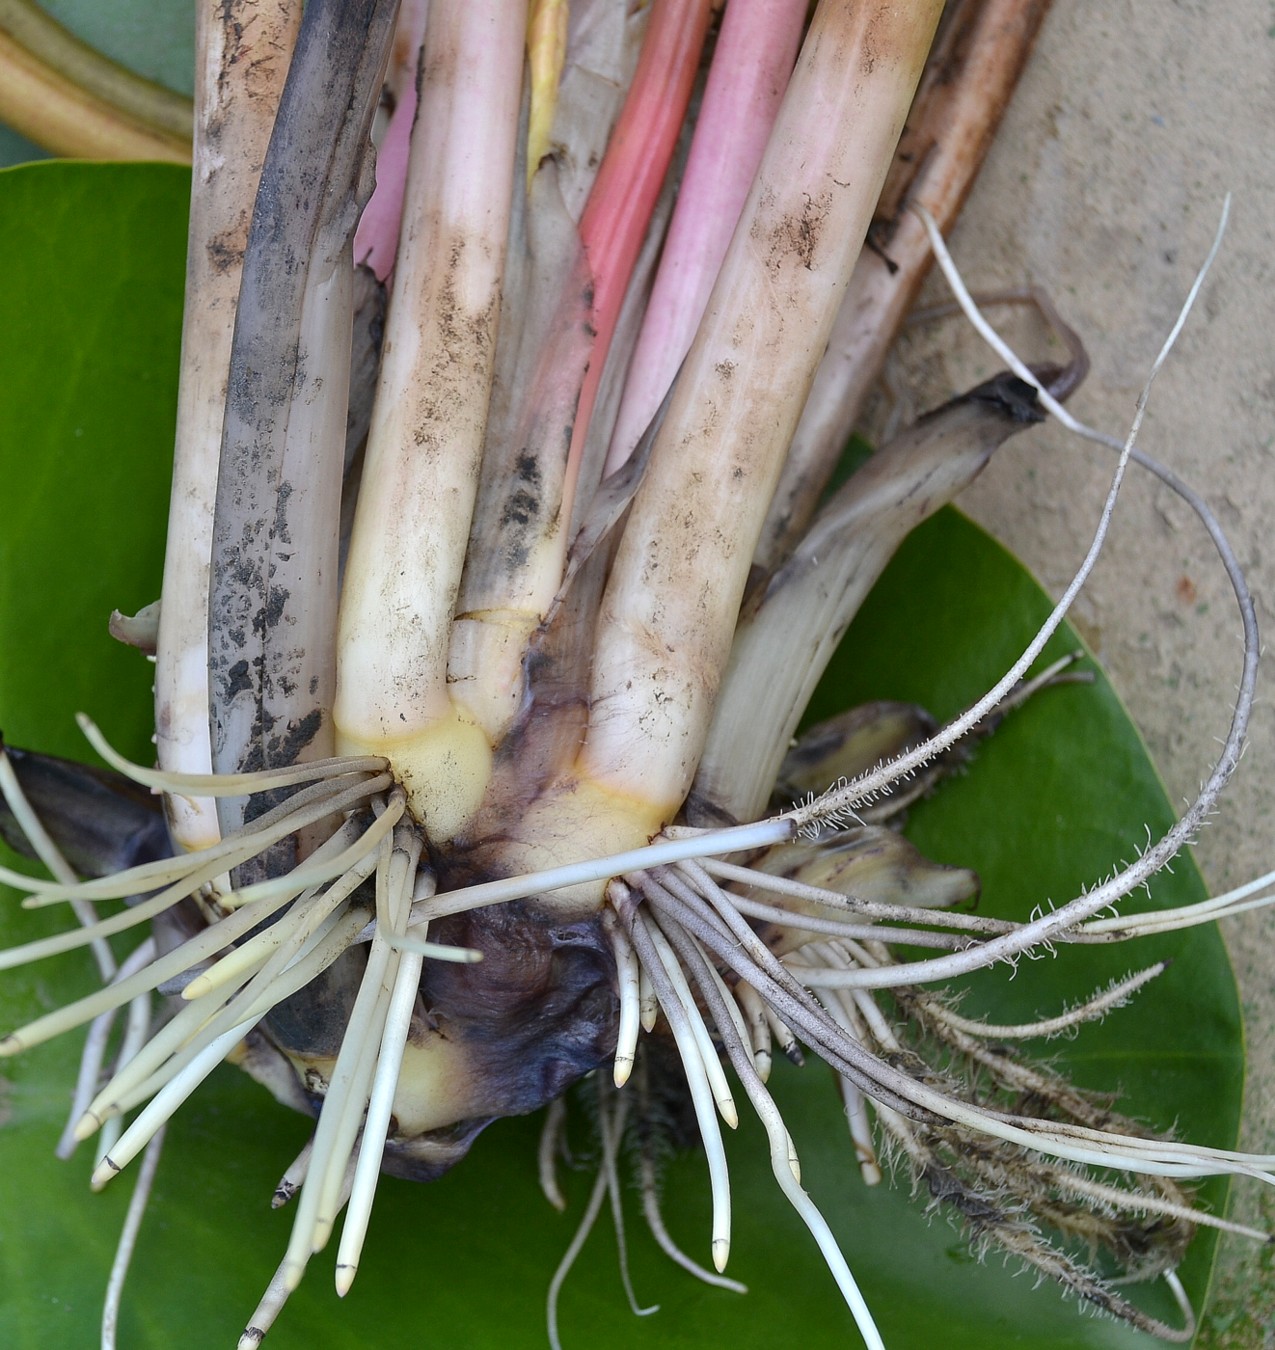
x=1133, y=120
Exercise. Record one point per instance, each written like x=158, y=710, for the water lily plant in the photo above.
x=502, y=568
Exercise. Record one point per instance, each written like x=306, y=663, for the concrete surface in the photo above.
x=1133, y=120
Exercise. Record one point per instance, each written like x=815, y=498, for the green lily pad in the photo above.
x=89, y=322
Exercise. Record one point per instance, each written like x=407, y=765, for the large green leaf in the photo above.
x=88, y=328
x=90, y=324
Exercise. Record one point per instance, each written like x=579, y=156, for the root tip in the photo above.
x=86, y=1127
x=103, y=1172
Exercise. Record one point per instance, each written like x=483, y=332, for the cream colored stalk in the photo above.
x=422, y=462
x=236, y=101
x=537, y=480
x=972, y=72
x=671, y=603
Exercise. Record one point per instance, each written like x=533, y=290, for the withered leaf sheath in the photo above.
x=276, y=524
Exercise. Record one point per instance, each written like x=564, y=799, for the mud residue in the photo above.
x=225, y=250
x=799, y=234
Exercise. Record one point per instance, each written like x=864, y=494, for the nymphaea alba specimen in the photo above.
x=533, y=723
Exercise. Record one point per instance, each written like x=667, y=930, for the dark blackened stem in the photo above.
x=237, y=98
x=274, y=561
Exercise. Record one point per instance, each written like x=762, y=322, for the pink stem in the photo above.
x=753, y=60
x=376, y=239
x=623, y=197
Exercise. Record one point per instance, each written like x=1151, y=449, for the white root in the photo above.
x=376, y=1125
x=49, y=854
x=1116, y=995
x=552, y=1142
x=629, y=978
x=128, y=1239
x=655, y=1222
x=681, y=1020
x=786, y=1169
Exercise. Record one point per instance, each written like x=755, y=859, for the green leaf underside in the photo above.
x=89, y=323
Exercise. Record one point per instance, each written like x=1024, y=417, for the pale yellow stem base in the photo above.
x=444, y=768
